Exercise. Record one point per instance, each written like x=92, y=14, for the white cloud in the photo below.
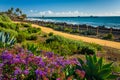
x=52, y=13
x=31, y=11
x=71, y=13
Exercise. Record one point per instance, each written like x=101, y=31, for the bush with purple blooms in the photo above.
x=19, y=64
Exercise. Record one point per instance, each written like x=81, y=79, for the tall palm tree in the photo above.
x=17, y=11
x=20, y=12
x=9, y=11
x=12, y=9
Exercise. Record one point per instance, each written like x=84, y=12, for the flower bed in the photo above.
x=23, y=65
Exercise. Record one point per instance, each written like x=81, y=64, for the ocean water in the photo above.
x=113, y=22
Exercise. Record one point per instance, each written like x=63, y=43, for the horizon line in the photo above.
x=78, y=16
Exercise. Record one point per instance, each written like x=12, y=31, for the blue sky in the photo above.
x=64, y=7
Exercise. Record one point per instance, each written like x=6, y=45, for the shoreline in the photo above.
x=101, y=29
x=106, y=43
x=49, y=19
x=98, y=32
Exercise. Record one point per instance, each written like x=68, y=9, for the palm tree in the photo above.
x=9, y=11
x=12, y=9
x=17, y=11
x=20, y=12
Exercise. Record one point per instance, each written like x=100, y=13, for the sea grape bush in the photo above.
x=51, y=34
x=32, y=37
x=26, y=25
x=109, y=36
x=23, y=65
x=33, y=30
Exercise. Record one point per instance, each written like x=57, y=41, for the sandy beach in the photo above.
x=107, y=43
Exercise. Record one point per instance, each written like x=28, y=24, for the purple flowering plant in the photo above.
x=23, y=65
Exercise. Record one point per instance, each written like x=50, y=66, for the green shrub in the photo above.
x=97, y=46
x=88, y=50
x=65, y=46
x=2, y=45
x=12, y=32
x=32, y=37
x=109, y=36
x=61, y=49
x=18, y=26
x=47, y=25
x=59, y=28
x=26, y=25
x=89, y=32
x=21, y=37
x=50, y=34
x=75, y=31
x=68, y=30
x=31, y=47
x=4, y=18
x=56, y=38
x=45, y=35
x=9, y=25
x=95, y=69
x=33, y=30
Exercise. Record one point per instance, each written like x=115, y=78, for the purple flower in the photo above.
x=21, y=50
x=23, y=61
x=6, y=55
x=30, y=55
x=40, y=72
x=1, y=64
x=58, y=79
x=16, y=60
x=17, y=71
x=12, y=78
x=46, y=64
x=49, y=54
x=26, y=72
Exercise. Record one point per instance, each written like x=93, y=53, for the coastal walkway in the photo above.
x=107, y=43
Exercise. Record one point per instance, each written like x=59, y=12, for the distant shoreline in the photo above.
x=94, y=21
x=69, y=16
x=100, y=29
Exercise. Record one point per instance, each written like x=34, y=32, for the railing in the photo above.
x=79, y=27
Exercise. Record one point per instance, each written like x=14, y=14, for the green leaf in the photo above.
x=113, y=76
x=107, y=65
x=80, y=61
x=95, y=58
x=100, y=62
x=104, y=73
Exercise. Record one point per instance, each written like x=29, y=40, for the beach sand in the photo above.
x=107, y=43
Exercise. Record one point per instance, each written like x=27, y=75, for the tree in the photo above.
x=9, y=12
x=17, y=11
x=24, y=16
x=20, y=12
x=12, y=9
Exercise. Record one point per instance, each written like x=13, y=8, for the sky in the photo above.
x=64, y=7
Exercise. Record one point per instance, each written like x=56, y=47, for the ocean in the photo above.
x=108, y=22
